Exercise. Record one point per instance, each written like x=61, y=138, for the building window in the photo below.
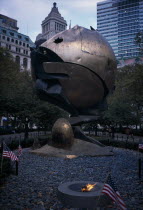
x=3, y=37
x=12, y=40
x=25, y=63
x=43, y=30
x=12, y=34
x=27, y=45
x=26, y=39
x=19, y=36
x=4, y=31
x=26, y=52
x=17, y=59
x=20, y=43
x=8, y=39
x=18, y=49
x=23, y=44
x=16, y=42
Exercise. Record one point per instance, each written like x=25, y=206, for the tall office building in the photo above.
x=18, y=44
x=119, y=21
x=53, y=24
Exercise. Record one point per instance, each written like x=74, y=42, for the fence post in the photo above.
x=139, y=167
x=15, y=139
x=16, y=168
x=10, y=140
x=1, y=155
x=20, y=137
x=127, y=141
x=133, y=141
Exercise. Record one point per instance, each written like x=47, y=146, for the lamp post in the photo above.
x=26, y=128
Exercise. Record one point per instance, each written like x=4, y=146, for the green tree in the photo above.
x=18, y=100
x=9, y=74
x=134, y=90
x=126, y=104
x=17, y=97
x=46, y=114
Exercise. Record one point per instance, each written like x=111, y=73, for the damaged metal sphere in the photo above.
x=75, y=70
x=62, y=133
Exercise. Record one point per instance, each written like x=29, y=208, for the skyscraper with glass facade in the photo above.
x=119, y=21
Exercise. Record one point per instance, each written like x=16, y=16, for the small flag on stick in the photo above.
x=111, y=190
x=8, y=153
x=141, y=146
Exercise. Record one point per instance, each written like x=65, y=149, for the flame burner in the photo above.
x=72, y=196
x=88, y=187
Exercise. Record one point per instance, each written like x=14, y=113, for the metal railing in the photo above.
x=117, y=137
x=20, y=136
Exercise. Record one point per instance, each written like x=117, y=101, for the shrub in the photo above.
x=118, y=143
x=44, y=139
x=138, y=132
x=14, y=144
x=27, y=142
x=6, y=167
x=6, y=130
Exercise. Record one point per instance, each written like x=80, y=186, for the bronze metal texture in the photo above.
x=87, y=48
x=81, y=84
x=75, y=70
x=62, y=133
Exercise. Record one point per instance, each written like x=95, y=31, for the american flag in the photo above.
x=19, y=150
x=111, y=190
x=8, y=153
x=140, y=146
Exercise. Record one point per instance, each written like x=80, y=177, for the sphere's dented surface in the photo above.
x=75, y=70
x=62, y=133
x=87, y=48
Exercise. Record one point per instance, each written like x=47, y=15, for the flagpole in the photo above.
x=18, y=147
x=2, y=157
x=16, y=160
x=139, y=163
x=17, y=167
x=19, y=141
x=109, y=172
x=98, y=198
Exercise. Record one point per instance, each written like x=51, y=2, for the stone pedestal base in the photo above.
x=71, y=195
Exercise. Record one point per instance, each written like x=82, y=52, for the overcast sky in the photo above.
x=31, y=13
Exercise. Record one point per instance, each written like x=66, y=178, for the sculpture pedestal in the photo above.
x=79, y=148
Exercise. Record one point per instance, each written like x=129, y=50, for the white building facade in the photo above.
x=18, y=44
x=53, y=24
